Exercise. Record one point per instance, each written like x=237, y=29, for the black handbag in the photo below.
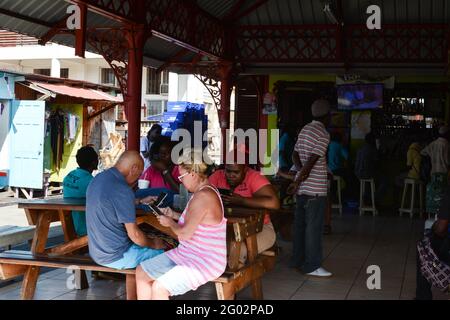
x=433, y=269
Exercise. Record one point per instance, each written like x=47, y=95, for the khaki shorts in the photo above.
x=265, y=239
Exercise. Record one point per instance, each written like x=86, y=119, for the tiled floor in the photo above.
x=356, y=243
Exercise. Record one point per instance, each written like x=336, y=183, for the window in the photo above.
x=155, y=107
x=157, y=82
x=42, y=72
x=165, y=77
x=165, y=83
x=64, y=73
x=107, y=76
x=153, y=81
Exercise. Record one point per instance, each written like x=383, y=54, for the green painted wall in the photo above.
x=273, y=119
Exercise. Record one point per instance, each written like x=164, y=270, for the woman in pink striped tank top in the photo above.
x=201, y=229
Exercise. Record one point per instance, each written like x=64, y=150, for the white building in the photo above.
x=157, y=88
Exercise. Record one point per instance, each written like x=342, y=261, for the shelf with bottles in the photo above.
x=390, y=125
x=426, y=101
x=404, y=106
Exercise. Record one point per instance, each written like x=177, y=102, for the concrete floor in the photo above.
x=356, y=243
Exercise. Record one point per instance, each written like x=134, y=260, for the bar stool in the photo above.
x=413, y=183
x=362, y=208
x=339, y=194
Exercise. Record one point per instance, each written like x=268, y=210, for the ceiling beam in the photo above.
x=234, y=11
x=175, y=58
x=57, y=28
x=252, y=8
x=25, y=18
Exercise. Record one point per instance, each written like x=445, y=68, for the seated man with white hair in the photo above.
x=115, y=240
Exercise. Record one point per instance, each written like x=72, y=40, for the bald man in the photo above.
x=115, y=240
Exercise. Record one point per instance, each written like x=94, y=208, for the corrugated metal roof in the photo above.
x=52, y=11
x=88, y=94
x=400, y=11
x=271, y=12
x=286, y=12
x=311, y=12
x=218, y=9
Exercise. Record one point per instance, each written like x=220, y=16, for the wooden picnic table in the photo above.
x=243, y=226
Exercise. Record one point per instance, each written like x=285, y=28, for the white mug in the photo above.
x=143, y=184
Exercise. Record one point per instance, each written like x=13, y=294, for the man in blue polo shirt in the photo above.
x=76, y=183
x=115, y=240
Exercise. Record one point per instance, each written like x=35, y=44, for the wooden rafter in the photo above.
x=175, y=58
x=252, y=8
x=57, y=28
x=235, y=10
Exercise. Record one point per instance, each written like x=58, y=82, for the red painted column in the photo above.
x=133, y=100
x=224, y=113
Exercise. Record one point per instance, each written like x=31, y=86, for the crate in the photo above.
x=4, y=180
x=182, y=106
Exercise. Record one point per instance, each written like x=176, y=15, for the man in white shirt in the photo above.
x=438, y=151
x=146, y=143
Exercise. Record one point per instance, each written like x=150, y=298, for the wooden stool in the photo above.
x=413, y=183
x=339, y=194
x=362, y=208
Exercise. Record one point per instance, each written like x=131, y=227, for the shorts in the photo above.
x=133, y=257
x=170, y=275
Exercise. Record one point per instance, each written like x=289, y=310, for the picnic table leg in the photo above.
x=225, y=292
x=252, y=254
x=38, y=246
x=234, y=255
x=81, y=281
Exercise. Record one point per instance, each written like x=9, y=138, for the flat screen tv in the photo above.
x=360, y=96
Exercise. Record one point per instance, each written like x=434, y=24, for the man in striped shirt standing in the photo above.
x=311, y=185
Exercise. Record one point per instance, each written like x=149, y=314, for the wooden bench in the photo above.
x=13, y=235
x=243, y=226
x=231, y=282
x=227, y=285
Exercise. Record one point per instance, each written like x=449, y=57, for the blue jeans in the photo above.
x=308, y=229
x=133, y=257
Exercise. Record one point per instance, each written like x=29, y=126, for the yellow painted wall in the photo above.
x=355, y=144
x=69, y=162
x=273, y=119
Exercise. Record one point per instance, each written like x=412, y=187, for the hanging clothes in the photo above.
x=56, y=121
x=72, y=126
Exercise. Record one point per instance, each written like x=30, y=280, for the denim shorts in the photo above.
x=170, y=275
x=133, y=257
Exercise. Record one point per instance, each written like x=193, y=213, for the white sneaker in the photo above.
x=321, y=272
